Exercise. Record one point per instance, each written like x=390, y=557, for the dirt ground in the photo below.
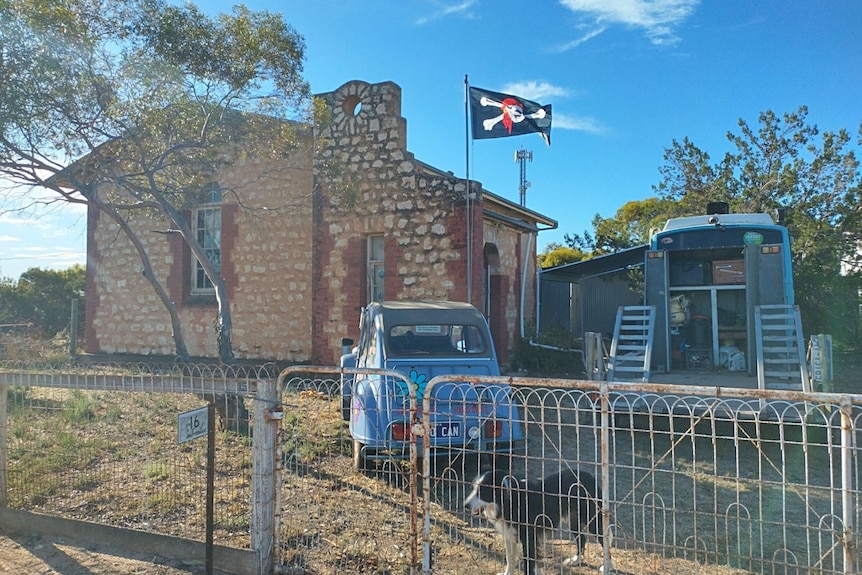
x=29, y=554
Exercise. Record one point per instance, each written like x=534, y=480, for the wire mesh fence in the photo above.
x=100, y=444
x=334, y=520
x=689, y=480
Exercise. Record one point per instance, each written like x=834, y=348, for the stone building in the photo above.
x=300, y=259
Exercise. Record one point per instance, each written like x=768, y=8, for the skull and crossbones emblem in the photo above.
x=511, y=112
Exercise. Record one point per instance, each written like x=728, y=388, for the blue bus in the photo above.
x=705, y=275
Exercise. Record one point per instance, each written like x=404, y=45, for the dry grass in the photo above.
x=113, y=457
x=20, y=348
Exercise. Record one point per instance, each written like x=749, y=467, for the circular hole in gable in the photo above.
x=352, y=106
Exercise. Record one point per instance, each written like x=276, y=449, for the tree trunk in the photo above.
x=180, y=349
x=223, y=323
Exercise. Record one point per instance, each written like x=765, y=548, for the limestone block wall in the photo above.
x=506, y=276
x=124, y=315
x=271, y=260
x=419, y=211
x=266, y=264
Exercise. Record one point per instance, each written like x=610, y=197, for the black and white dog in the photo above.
x=521, y=511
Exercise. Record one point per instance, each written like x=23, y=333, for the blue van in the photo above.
x=422, y=340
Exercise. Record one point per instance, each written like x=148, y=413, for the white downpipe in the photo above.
x=527, y=252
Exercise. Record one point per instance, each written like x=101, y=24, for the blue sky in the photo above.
x=625, y=78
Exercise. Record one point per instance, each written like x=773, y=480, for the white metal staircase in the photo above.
x=631, y=349
x=781, y=360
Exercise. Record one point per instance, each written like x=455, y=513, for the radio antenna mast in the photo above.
x=523, y=156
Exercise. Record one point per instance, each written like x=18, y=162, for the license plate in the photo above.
x=447, y=430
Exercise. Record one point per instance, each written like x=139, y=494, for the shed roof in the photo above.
x=599, y=265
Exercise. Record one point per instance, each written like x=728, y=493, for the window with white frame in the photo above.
x=375, y=268
x=206, y=224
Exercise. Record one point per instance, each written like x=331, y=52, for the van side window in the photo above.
x=373, y=346
x=363, y=338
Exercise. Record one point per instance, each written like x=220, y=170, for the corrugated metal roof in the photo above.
x=594, y=266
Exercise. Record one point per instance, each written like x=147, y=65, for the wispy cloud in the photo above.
x=463, y=9
x=16, y=219
x=534, y=90
x=658, y=18
x=60, y=254
x=581, y=39
x=578, y=123
x=24, y=220
x=9, y=239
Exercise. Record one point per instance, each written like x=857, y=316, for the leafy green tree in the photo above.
x=556, y=255
x=42, y=298
x=133, y=106
x=631, y=226
x=786, y=164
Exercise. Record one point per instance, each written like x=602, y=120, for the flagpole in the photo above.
x=467, y=177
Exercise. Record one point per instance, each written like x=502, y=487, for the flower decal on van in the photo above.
x=419, y=381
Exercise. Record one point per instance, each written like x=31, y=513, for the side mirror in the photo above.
x=346, y=344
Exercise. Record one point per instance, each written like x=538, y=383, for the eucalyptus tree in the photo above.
x=133, y=107
x=630, y=226
x=556, y=254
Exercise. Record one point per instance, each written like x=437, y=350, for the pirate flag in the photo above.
x=496, y=115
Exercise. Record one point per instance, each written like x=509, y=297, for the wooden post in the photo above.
x=265, y=480
x=590, y=355
x=4, y=455
x=211, y=434
x=594, y=356
x=73, y=330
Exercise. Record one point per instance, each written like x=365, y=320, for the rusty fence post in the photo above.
x=4, y=454
x=606, y=477
x=847, y=506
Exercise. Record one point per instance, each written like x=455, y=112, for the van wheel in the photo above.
x=360, y=464
x=345, y=407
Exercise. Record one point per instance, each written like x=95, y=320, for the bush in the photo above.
x=27, y=348
x=557, y=353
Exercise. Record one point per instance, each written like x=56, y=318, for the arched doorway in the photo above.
x=495, y=286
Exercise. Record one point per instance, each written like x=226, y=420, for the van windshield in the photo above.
x=436, y=340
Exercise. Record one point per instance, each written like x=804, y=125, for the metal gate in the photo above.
x=687, y=484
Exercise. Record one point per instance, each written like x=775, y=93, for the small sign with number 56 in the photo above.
x=192, y=424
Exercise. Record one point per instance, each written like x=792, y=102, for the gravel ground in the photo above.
x=29, y=554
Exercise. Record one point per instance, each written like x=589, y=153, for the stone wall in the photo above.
x=419, y=210
x=295, y=252
x=266, y=265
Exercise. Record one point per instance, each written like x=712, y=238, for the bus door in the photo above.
x=766, y=283
x=656, y=294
